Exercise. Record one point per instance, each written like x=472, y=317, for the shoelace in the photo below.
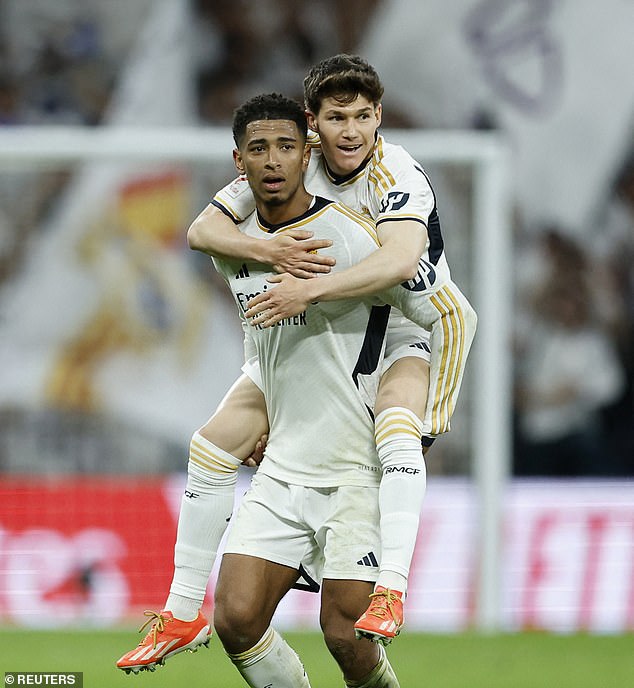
x=381, y=612
x=158, y=626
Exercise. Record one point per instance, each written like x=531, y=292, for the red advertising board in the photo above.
x=83, y=549
x=99, y=550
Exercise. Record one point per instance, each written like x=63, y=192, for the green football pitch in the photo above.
x=421, y=661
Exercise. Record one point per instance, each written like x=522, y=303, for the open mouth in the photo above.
x=350, y=150
x=273, y=183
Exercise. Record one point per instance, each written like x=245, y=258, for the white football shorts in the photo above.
x=404, y=339
x=328, y=533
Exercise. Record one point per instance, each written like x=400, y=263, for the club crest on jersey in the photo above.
x=395, y=200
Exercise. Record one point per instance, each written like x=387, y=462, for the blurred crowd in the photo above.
x=244, y=47
x=574, y=344
x=62, y=78
x=574, y=338
x=59, y=65
x=54, y=70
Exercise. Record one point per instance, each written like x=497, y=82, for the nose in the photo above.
x=350, y=128
x=272, y=161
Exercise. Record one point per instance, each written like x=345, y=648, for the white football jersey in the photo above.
x=321, y=431
x=389, y=186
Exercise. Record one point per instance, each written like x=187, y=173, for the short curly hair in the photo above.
x=342, y=77
x=267, y=106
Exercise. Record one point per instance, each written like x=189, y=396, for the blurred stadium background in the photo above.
x=117, y=341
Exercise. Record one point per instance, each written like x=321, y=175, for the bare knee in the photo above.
x=236, y=623
x=342, y=649
x=239, y=421
x=247, y=594
x=356, y=658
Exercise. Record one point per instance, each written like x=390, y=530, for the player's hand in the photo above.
x=290, y=297
x=295, y=252
x=255, y=459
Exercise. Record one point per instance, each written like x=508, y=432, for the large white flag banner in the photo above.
x=555, y=75
x=109, y=313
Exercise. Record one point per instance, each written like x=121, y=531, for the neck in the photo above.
x=277, y=214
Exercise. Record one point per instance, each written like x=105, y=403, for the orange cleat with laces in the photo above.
x=383, y=619
x=167, y=637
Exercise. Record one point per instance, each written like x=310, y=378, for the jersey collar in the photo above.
x=317, y=204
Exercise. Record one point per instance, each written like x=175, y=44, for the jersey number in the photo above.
x=424, y=279
x=395, y=200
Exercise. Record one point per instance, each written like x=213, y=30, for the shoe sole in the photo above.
x=190, y=647
x=374, y=636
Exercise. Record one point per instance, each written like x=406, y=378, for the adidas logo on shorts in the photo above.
x=368, y=560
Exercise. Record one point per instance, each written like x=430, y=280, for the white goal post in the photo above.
x=487, y=154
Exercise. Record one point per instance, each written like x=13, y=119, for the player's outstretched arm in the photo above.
x=213, y=233
x=395, y=261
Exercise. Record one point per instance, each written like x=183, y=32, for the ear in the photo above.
x=306, y=157
x=237, y=161
x=378, y=112
x=312, y=121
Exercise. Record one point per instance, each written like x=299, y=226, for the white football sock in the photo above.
x=205, y=511
x=401, y=493
x=382, y=676
x=271, y=662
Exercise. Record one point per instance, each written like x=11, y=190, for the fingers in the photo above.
x=301, y=245
x=256, y=312
x=315, y=245
x=305, y=274
x=282, y=301
x=265, y=296
x=299, y=234
x=258, y=453
x=269, y=319
x=308, y=270
x=254, y=309
x=265, y=320
x=260, y=303
x=255, y=301
x=307, y=242
x=261, y=314
x=260, y=446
